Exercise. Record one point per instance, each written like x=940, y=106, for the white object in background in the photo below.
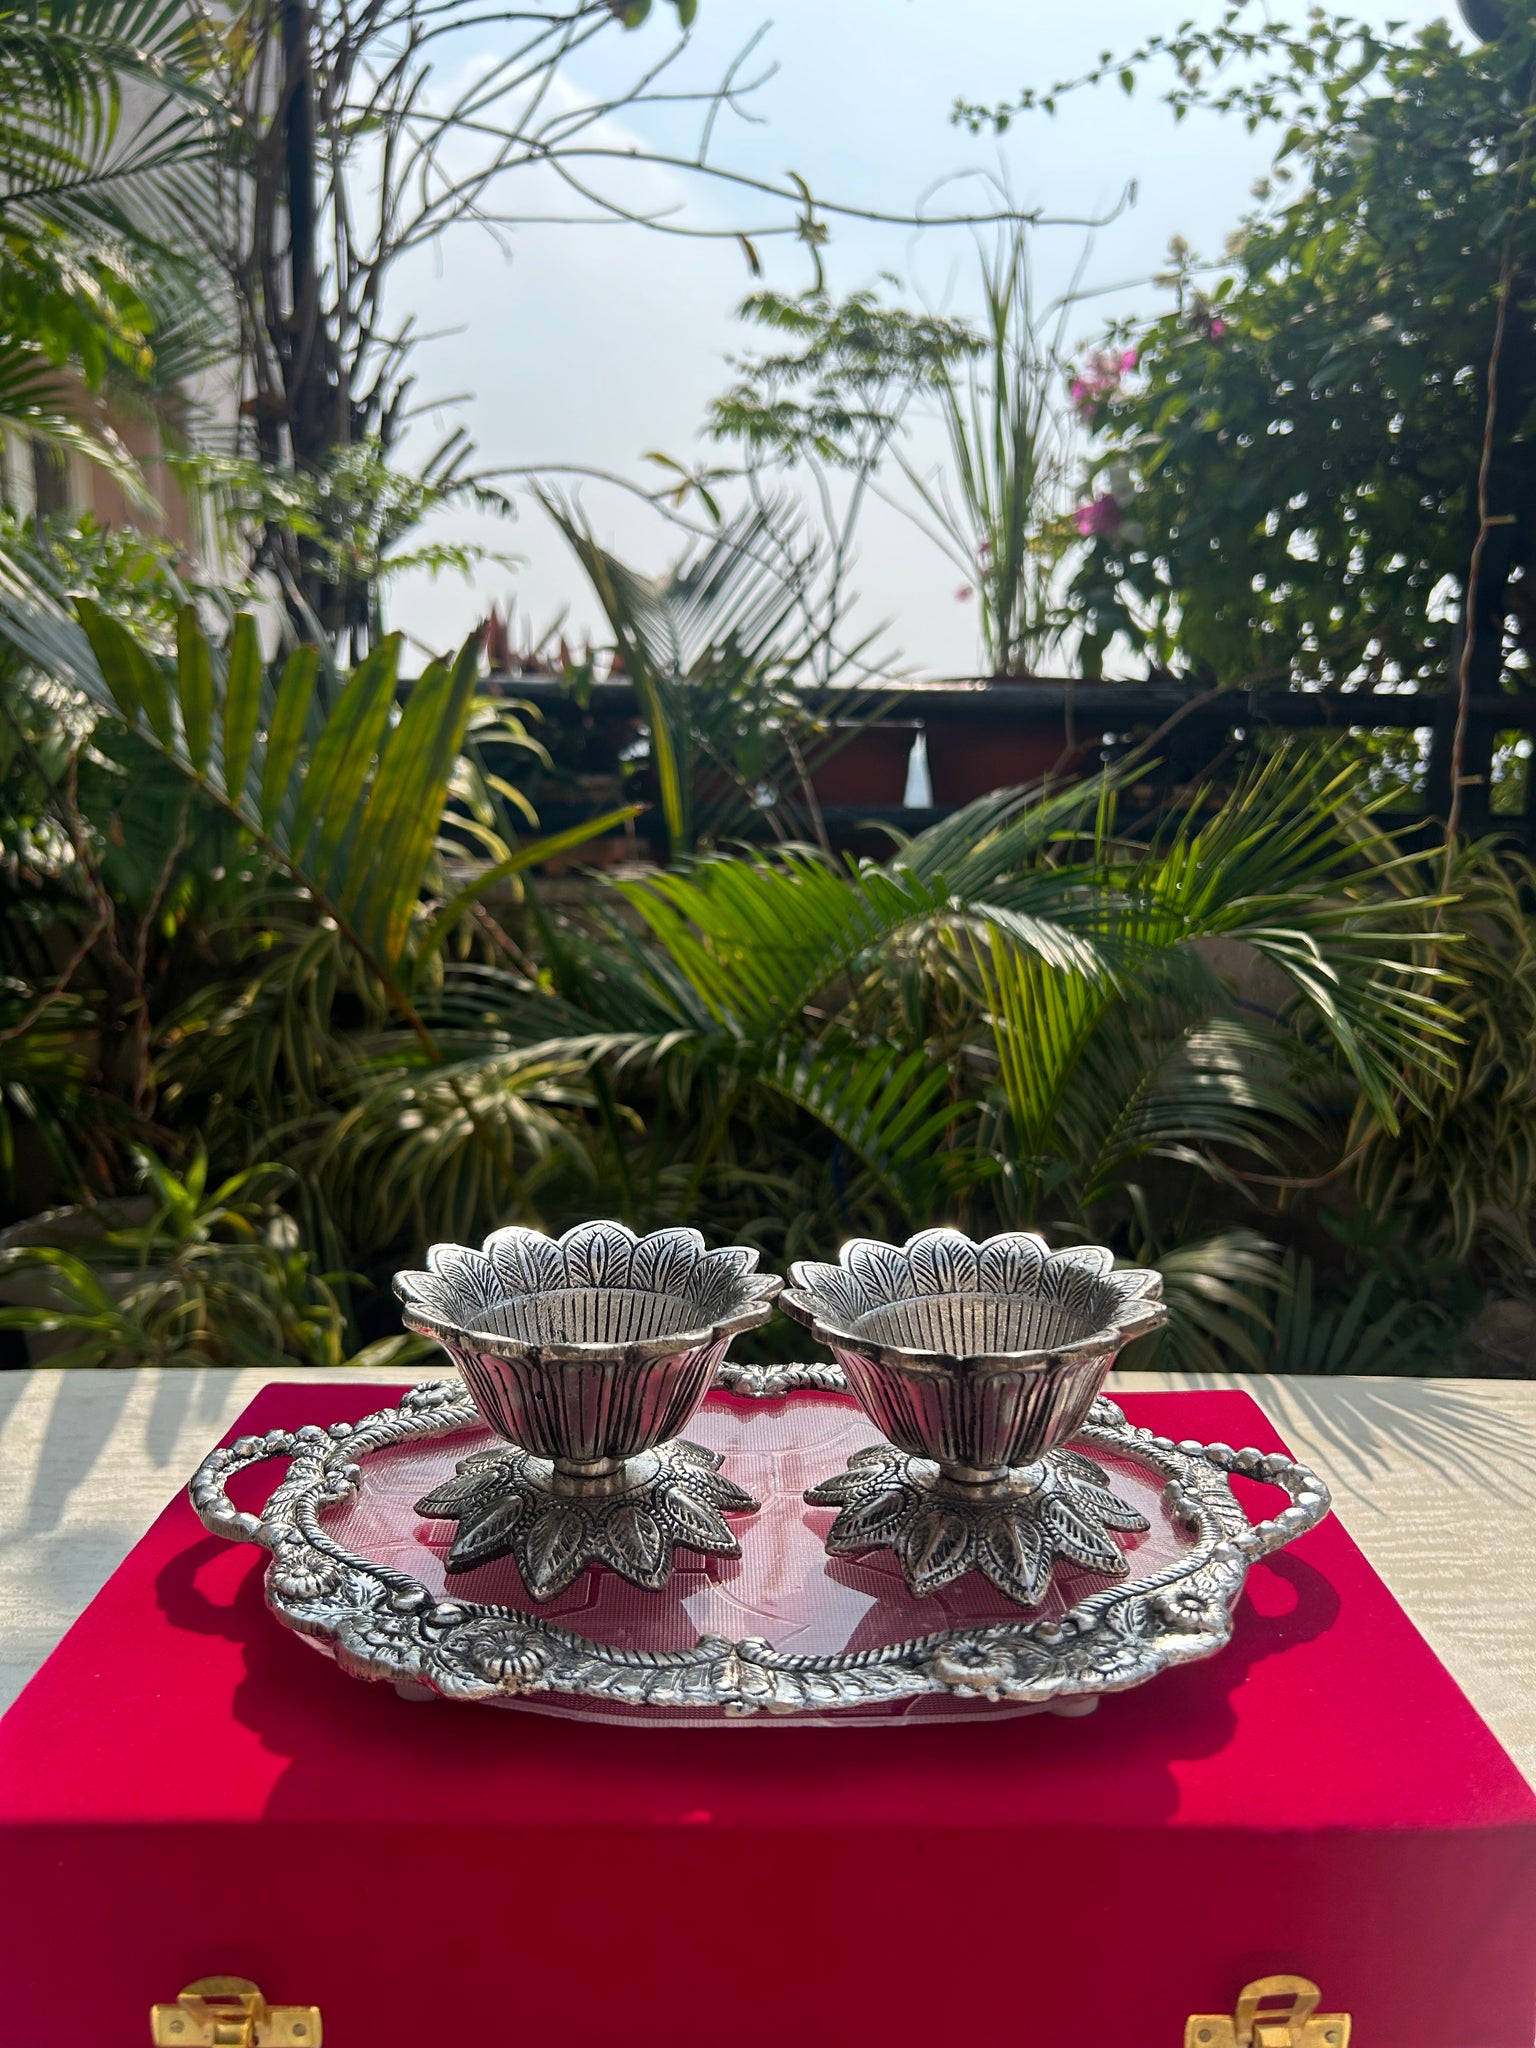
x=918, y=794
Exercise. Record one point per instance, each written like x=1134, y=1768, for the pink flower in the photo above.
x=1100, y=519
x=964, y=594
x=1099, y=379
x=1204, y=320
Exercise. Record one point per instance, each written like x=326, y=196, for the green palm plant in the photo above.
x=314, y=842
x=1021, y=1017
x=410, y=1151
x=1369, y=1330
x=102, y=192
x=1238, y=1300
x=345, y=798
x=1289, y=869
x=1457, y=1177
x=735, y=658
x=1016, y=1019
x=46, y=1043
x=1221, y=1292
x=1084, y=973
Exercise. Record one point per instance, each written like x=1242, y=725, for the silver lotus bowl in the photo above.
x=588, y=1354
x=980, y=1362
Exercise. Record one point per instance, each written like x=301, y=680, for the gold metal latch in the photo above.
x=1272, y=2012
x=230, y=2012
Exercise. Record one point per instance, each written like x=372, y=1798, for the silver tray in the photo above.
x=380, y=1622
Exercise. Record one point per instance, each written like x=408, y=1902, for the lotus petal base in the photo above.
x=1013, y=1529
x=633, y=1519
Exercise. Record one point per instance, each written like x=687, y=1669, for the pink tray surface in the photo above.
x=783, y=1588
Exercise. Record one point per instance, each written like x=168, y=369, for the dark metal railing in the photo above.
x=1185, y=729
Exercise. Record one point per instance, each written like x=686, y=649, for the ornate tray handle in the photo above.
x=383, y=1624
x=1310, y=1498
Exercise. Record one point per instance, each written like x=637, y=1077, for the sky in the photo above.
x=587, y=346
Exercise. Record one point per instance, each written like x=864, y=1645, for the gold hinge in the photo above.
x=1272, y=2012
x=230, y=2012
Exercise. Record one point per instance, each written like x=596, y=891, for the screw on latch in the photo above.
x=230, y=2012
x=1272, y=2012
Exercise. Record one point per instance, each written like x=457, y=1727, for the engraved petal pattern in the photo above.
x=593, y=1346
x=936, y=1548
x=1080, y=1281
x=943, y=1262
x=1015, y=1556
x=462, y=1285
x=874, y=1516
x=1010, y=1264
x=837, y=1287
x=634, y=1532
x=674, y=1502
x=1013, y=1534
x=484, y=1530
x=979, y=1356
x=597, y=1255
x=553, y=1549
x=883, y=1272
x=526, y=1261
x=662, y=1262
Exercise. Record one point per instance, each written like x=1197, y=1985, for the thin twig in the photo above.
x=1485, y=525
x=808, y=791
x=158, y=893
x=1486, y=521
x=501, y=939
x=34, y=1012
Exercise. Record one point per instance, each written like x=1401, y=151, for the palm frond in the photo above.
x=694, y=640
x=894, y=1109
x=1219, y=1089
x=1290, y=866
x=345, y=796
x=1368, y=1331
x=1458, y=1175
x=73, y=145
x=755, y=939
x=448, y=1150
x=1220, y=1293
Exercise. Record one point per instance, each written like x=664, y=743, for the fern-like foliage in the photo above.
x=344, y=795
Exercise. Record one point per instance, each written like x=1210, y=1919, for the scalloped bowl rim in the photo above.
x=497, y=1344
x=760, y=1290
x=1110, y=1338
x=1144, y=1311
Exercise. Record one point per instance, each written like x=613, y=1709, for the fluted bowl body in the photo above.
x=592, y=1347
x=979, y=1356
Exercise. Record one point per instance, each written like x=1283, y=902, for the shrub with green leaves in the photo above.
x=209, y=1276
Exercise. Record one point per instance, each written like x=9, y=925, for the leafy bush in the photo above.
x=209, y=1276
